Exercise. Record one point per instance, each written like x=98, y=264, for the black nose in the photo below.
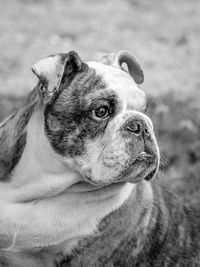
x=137, y=127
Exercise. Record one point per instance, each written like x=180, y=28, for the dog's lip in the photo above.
x=145, y=156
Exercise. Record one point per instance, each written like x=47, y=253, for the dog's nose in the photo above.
x=137, y=127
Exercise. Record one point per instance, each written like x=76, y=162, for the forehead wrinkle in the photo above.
x=113, y=78
x=104, y=95
x=123, y=84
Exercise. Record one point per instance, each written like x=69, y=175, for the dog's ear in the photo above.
x=121, y=57
x=51, y=70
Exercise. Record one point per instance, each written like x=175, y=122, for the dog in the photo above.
x=77, y=163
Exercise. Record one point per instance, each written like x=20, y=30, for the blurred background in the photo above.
x=164, y=36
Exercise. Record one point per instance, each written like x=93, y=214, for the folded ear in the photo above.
x=121, y=57
x=51, y=70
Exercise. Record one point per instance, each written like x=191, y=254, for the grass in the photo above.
x=177, y=126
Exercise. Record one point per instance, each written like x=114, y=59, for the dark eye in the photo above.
x=101, y=112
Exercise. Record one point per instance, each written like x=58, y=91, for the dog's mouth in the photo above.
x=151, y=162
x=144, y=167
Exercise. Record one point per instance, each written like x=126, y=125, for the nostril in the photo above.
x=134, y=128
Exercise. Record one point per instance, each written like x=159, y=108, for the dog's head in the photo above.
x=95, y=118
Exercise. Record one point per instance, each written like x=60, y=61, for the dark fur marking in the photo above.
x=13, y=136
x=70, y=108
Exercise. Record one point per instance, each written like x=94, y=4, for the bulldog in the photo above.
x=76, y=167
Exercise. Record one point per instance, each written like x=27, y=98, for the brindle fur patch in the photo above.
x=13, y=136
x=72, y=111
x=171, y=238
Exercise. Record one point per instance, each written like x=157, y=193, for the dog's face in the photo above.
x=94, y=118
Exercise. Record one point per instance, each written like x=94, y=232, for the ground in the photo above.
x=164, y=36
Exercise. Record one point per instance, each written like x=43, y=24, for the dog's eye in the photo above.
x=101, y=112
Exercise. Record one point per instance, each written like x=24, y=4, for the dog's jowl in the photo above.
x=76, y=169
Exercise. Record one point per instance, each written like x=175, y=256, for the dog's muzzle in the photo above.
x=139, y=131
x=128, y=151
